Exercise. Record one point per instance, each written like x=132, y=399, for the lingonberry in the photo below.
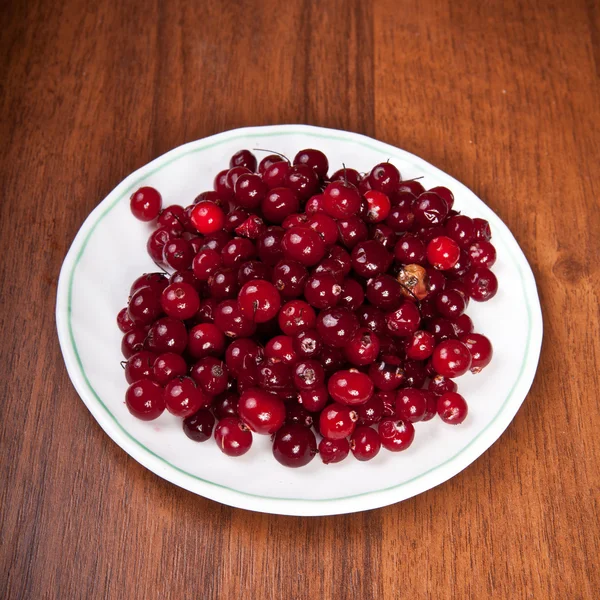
x=296, y=413
x=124, y=323
x=412, y=186
x=350, y=387
x=403, y=321
x=145, y=399
x=314, y=400
x=450, y=303
x=326, y=227
x=482, y=230
x=145, y=204
x=414, y=373
x=237, y=251
x=314, y=159
x=211, y=375
x=452, y=408
x=223, y=284
x=430, y=209
x=462, y=325
x=461, y=229
x=259, y=301
x=383, y=234
x=441, y=328
x=294, y=445
x=332, y=359
x=206, y=339
x=372, y=318
x=275, y=174
x=278, y=204
x=281, y=348
x=241, y=354
x=266, y=162
x=252, y=270
x=431, y=409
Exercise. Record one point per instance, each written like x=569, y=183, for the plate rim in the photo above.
x=291, y=506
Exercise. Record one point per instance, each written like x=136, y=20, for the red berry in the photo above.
x=350, y=387
x=333, y=451
x=183, y=397
x=233, y=437
x=443, y=252
x=199, y=426
x=167, y=366
x=452, y=408
x=259, y=301
x=207, y=217
x=411, y=404
x=365, y=443
x=451, y=358
x=180, y=301
x=139, y=366
x=363, y=348
x=341, y=200
x=480, y=349
x=337, y=421
x=378, y=206
x=420, y=345
x=385, y=178
x=262, y=411
x=145, y=204
x=206, y=339
x=145, y=400
x=294, y=445
x=481, y=284
x=396, y=434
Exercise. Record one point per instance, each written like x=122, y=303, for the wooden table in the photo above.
x=505, y=96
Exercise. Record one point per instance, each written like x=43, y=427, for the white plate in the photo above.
x=109, y=252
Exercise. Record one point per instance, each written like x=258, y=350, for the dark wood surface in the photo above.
x=502, y=95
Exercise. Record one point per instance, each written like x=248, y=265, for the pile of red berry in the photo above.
x=300, y=300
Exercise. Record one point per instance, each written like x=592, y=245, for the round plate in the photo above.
x=109, y=252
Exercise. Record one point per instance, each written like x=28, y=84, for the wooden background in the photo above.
x=504, y=95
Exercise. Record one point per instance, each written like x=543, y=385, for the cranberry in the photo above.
x=139, y=366
x=216, y=241
x=223, y=284
x=252, y=228
x=222, y=186
x=430, y=209
x=482, y=230
x=388, y=401
x=322, y=290
x=411, y=404
x=278, y=204
x=231, y=321
x=333, y=451
x=350, y=387
x=156, y=281
x=385, y=178
x=314, y=400
x=410, y=250
x=178, y=253
x=275, y=175
x=444, y=193
x=480, y=349
x=443, y=253
x=440, y=385
x=404, y=321
x=280, y=348
x=411, y=186
x=124, y=322
x=442, y=329
x=337, y=421
x=482, y=254
x=378, y=206
x=133, y=341
x=156, y=244
x=481, y=284
x=352, y=296
x=414, y=373
x=332, y=359
x=420, y=345
x=180, y=300
x=294, y=445
x=387, y=374
x=372, y=318
x=352, y=231
x=452, y=408
x=262, y=411
x=145, y=204
x=210, y=195
x=341, y=200
x=314, y=159
x=450, y=303
x=183, y=397
x=370, y=258
x=436, y=282
x=451, y=358
x=462, y=325
x=237, y=251
x=431, y=409
x=461, y=229
x=186, y=276
x=308, y=374
x=296, y=316
x=337, y=326
x=363, y=348
x=199, y=426
x=384, y=235
x=207, y=217
x=206, y=312
x=233, y=437
x=365, y=443
x=211, y=375
x=253, y=270
x=384, y=292
x=145, y=400
x=371, y=412
x=351, y=176
x=243, y=158
x=167, y=366
x=400, y=219
x=307, y=344
x=144, y=306
x=396, y=434
x=226, y=405
x=259, y=301
x=167, y=335
x=303, y=180
x=326, y=227
x=296, y=413
x=303, y=245
x=206, y=339
x=266, y=162
x=315, y=205
x=242, y=353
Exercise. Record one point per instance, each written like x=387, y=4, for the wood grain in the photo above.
x=503, y=95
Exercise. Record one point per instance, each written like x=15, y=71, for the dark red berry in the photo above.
x=452, y=408
x=233, y=437
x=451, y=358
x=365, y=443
x=145, y=204
x=337, y=421
x=333, y=451
x=199, y=426
x=480, y=349
x=294, y=445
